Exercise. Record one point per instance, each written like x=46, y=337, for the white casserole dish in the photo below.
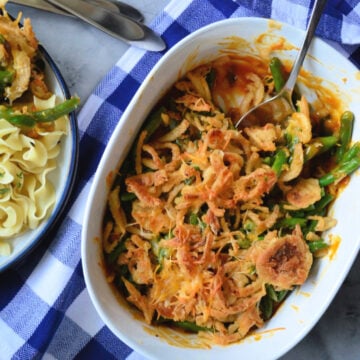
x=303, y=308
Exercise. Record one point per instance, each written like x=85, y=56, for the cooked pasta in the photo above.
x=209, y=227
x=26, y=194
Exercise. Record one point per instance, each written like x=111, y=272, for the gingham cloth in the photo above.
x=45, y=310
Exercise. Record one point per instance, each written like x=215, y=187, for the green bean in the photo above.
x=153, y=122
x=210, y=78
x=194, y=219
x=281, y=295
x=280, y=77
x=266, y=307
x=244, y=243
x=311, y=225
x=352, y=152
x=6, y=77
x=291, y=222
x=160, y=253
x=271, y=292
x=276, y=296
x=190, y=180
x=277, y=71
x=320, y=205
x=163, y=254
x=127, y=196
x=190, y=326
x=272, y=297
x=19, y=120
x=338, y=173
x=186, y=325
x=349, y=163
x=316, y=208
x=30, y=119
x=317, y=245
x=122, y=271
x=346, y=128
x=268, y=160
x=279, y=161
x=318, y=146
x=300, y=213
x=115, y=253
x=249, y=225
x=57, y=111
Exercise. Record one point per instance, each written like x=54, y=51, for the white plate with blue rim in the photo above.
x=62, y=177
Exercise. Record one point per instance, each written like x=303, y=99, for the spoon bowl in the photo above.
x=277, y=108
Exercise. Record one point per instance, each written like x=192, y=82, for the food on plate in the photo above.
x=32, y=125
x=208, y=227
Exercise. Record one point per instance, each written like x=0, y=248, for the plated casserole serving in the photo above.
x=32, y=126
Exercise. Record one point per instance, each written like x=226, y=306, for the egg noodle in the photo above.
x=26, y=194
x=209, y=227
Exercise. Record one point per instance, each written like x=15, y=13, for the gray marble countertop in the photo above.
x=84, y=55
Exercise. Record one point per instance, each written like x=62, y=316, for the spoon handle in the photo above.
x=314, y=19
x=114, y=24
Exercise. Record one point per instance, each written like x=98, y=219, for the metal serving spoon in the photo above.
x=282, y=102
x=117, y=25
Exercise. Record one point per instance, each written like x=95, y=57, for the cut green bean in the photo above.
x=153, y=122
x=279, y=161
x=281, y=295
x=277, y=72
x=276, y=296
x=338, y=173
x=19, y=120
x=266, y=307
x=271, y=292
x=190, y=180
x=127, y=196
x=30, y=119
x=291, y=222
x=185, y=325
x=346, y=129
x=193, y=219
x=316, y=208
x=163, y=254
x=210, y=78
x=317, y=245
x=352, y=152
x=322, y=203
x=6, y=77
x=190, y=326
x=267, y=160
x=244, y=243
x=57, y=111
x=349, y=163
x=318, y=146
x=115, y=253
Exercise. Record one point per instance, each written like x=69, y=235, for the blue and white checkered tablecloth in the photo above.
x=45, y=310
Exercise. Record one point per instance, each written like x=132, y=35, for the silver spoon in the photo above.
x=114, y=24
x=282, y=102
